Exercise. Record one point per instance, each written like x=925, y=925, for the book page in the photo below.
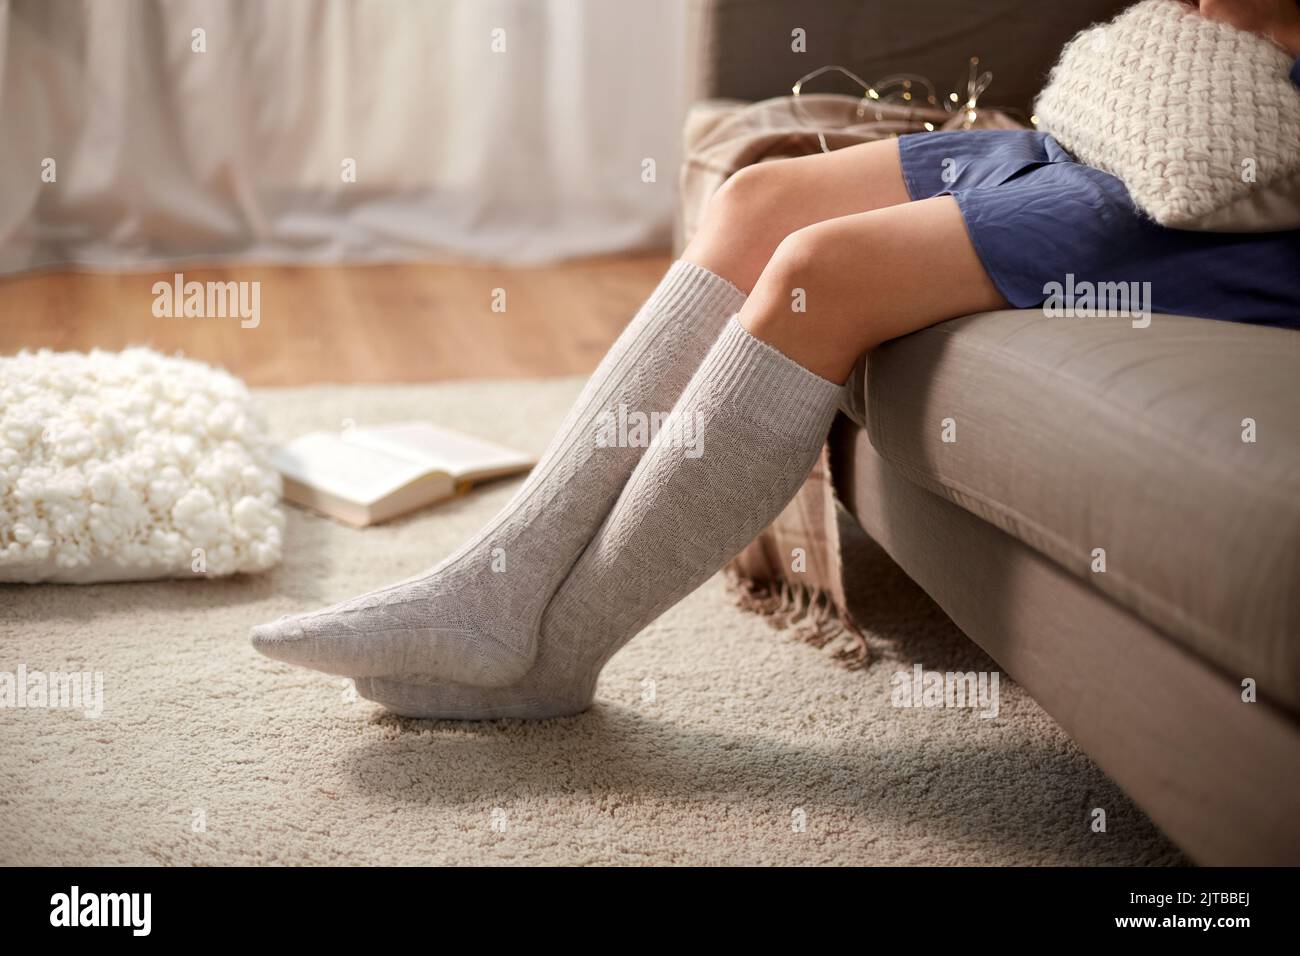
x=443, y=449
x=332, y=463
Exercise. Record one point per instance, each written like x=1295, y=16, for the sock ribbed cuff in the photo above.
x=770, y=387
x=689, y=305
x=687, y=287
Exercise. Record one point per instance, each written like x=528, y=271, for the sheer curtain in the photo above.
x=139, y=132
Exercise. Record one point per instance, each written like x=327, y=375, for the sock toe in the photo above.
x=276, y=638
x=331, y=643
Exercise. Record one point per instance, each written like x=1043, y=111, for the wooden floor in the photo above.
x=385, y=323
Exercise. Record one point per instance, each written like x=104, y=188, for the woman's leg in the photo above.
x=474, y=616
x=864, y=279
x=756, y=412
x=469, y=620
x=762, y=204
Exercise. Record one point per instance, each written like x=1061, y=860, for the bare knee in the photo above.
x=745, y=198
x=809, y=303
x=742, y=224
x=796, y=278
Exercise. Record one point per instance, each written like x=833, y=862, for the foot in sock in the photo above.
x=468, y=621
x=757, y=421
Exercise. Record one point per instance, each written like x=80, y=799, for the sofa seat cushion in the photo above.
x=1092, y=440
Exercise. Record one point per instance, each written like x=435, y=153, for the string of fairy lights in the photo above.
x=908, y=90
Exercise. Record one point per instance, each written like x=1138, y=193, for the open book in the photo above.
x=362, y=476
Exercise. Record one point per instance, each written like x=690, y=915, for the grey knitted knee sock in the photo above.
x=740, y=441
x=474, y=617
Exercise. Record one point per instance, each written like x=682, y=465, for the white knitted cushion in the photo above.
x=1197, y=118
x=130, y=465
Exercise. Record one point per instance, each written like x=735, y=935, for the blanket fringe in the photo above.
x=809, y=613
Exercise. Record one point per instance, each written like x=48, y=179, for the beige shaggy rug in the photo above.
x=715, y=739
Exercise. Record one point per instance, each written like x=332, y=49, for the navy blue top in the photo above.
x=1037, y=216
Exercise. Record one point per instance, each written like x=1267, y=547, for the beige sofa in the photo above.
x=1078, y=435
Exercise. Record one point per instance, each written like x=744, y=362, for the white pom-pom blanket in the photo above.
x=1199, y=119
x=131, y=465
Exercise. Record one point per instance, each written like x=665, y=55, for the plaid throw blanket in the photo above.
x=792, y=573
